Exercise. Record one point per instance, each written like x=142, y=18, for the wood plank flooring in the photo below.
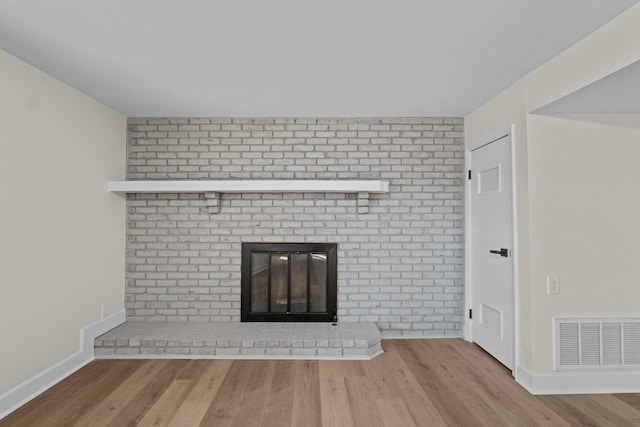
x=440, y=382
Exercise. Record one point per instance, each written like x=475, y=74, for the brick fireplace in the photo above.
x=401, y=263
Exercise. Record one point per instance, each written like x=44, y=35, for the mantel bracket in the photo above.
x=214, y=202
x=363, y=203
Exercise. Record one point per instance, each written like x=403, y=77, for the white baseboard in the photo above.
x=583, y=382
x=22, y=393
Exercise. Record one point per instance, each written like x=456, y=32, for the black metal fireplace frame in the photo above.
x=331, y=249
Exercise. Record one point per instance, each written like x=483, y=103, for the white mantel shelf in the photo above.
x=212, y=189
x=251, y=186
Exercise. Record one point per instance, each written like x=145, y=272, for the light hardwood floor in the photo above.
x=441, y=382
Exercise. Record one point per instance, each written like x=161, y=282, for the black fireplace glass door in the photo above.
x=298, y=283
x=279, y=279
x=259, y=281
x=289, y=282
x=318, y=278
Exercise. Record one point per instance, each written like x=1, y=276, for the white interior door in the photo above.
x=491, y=242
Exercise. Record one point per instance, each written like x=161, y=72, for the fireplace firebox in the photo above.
x=294, y=282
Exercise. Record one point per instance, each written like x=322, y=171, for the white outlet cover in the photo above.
x=553, y=285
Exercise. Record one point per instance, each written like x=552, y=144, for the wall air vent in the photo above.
x=597, y=343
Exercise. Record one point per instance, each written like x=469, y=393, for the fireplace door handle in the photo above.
x=502, y=252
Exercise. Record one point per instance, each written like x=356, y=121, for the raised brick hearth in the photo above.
x=289, y=340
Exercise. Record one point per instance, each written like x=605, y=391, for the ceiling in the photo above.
x=295, y=57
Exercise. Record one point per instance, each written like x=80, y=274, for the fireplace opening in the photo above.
x=294, y=282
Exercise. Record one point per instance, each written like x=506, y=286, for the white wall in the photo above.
x=576, y=189
x=584, y=211
x=62, y=234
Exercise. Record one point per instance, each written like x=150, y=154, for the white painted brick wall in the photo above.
x=399, y=265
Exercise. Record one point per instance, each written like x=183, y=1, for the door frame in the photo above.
x=467, y=329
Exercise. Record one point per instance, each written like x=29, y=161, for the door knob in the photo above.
x=502, y=252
